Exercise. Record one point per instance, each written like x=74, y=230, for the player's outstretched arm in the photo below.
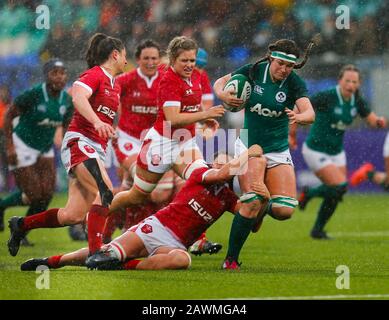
x=234, y=167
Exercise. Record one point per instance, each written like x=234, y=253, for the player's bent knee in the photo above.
x=283, y=207
x=251, y=208
x=181, y=259
x=282, y=213
x=143, y=185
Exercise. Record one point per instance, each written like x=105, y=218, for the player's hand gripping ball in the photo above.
x=241, y=86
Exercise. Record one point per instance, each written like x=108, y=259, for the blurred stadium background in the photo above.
x=233, y=32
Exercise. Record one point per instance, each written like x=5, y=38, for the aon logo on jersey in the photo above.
x=339, y=125
x=107, y=111
x=49, y=123
x=265, y=111
x=200, y=210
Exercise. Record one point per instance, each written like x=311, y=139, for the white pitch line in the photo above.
x=361, y=234
x=339, y=296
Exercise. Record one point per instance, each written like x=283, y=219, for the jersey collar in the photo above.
x=149, y=81
x=188, y=81
x=111, y=78
x=46, y=95
x=266, y=76
x=340, y=98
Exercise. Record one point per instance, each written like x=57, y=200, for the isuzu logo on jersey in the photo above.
x=265, y=111
x=280, y=96
x=191, y=108
x=144, y=109
x=200, y=210
x=107, y=111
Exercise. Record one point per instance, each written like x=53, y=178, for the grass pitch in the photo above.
x=281, y=261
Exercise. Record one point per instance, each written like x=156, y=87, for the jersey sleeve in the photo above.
x=170, y=94
x=198, y=175
x=90, y=80
x=298, y=87
x=320, y=101
x=26, y=100
x=206, y=87
x=245, y=70
x=362, y=106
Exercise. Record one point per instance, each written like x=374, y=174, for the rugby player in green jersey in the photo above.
x=323, y=150
x=279, y=98
x=31, y=124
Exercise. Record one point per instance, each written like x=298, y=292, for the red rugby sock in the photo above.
x=131, y=264
x=53, y=261
x=45, y=219
x=96, y=222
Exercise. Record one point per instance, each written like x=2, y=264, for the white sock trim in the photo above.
x=118, y=251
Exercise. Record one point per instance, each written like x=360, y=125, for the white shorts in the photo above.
x=158, y=153
x=386, y=146
x=318, y=160
x=27, y=156
x=273, y=158
x=126, y=145
x=155, y=235
x=76, y=148
x=110, y=157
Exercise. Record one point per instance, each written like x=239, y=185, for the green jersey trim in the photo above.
x=340, y=98
x=267, y=75
x=46, y=95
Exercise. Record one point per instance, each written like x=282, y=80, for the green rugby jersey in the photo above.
x=333, y=115
x=266, y=122
x=40, y=115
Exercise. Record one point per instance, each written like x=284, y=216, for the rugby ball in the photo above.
x=242, y=87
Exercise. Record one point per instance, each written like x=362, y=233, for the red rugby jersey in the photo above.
x=138, y=100
x=104, y=101
x=196, y=207
x=175, y=91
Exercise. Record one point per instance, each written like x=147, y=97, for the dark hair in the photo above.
x=146, y=44
x=179, y=44
x=100, y=47
x=289, y=47
x=349, y=67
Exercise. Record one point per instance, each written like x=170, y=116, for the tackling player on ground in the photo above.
x=163, y=238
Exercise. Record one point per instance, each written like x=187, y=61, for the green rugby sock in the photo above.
x=320, y=191
x=12, y=200
x=326, y=210
x=240, y=230
x=370, y=175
